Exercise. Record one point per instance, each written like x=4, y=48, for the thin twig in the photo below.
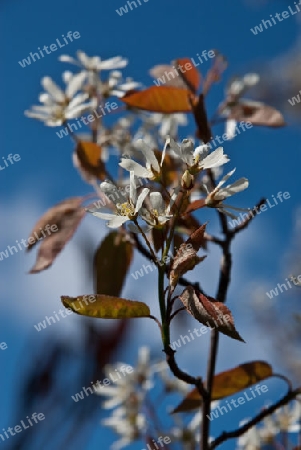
x=196, y=381
x=176, y=312
x=266, y=412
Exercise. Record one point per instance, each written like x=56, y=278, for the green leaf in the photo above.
x=111, y=263
x=105, y=306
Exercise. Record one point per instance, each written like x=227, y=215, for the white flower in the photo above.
x=117, y=87
x=239, y=86
x=58, y=105
x=250, y=440
x=288, y=419
x=234, y=91
x=158, y=214
x=126, y=208
x=199, y=158
x=218, y=195
x=94, y=63
x=128, y=393
x=129, y=427
x=168, y=124
x=152, y=169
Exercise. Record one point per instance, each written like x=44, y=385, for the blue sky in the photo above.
x=156, y=32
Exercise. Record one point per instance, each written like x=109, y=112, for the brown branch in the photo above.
x=250, y=217
x=266, y=412
x=178, y=373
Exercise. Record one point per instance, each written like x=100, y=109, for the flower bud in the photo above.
x=187, y=181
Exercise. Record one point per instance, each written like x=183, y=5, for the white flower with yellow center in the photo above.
x=152, y=169
x=158, y=214
x=126, y=208
x=218, y=195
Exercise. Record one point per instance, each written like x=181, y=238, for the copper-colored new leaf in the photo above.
x=190, y=74
x=111, y=263
x=106, y=306
x=67, y=216
x=257, y=114
x=228, y=383
x=200, y=115
x=162, y=99
x=167, y=75
x=209, y=312
x=88, y=160
x=195, y=205
x=186, y=258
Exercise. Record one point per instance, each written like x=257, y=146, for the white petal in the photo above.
x=105, y=216
x=215, y=159
x=75, y=84
x=69, y=59
x=55, y=92
x=187, y=149
x=77, y=100
x=138, y=170
x=112, y=192
x=224, y=179
x=230, y=128
x=141, y=199
x=83, y=58
x=35, y=115
x=113, y=63
x=250, y=79
x=133, y=189
x=174, y=146
x=238, y=186
x=201, y=151
x=148, y=154
x=117, y=221
x=157, y=202
x=46, y=99
x=71, y=113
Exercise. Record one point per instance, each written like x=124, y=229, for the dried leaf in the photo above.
x=111, y=263
x=191, y=76
x=106, y=306
x=67, y=216
x=209, y=312
x=88, y=160
x=228, y=383
x=162, y=99
x=167, y=75
x=257, y=113
x=201, y=120
x=186, y=258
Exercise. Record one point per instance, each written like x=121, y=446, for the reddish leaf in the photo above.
x=66, y=215
x=186, y=258
x=191, y=75
x=228, y=383
x=162, y=99
x=209, y=312
x=87, y=158
x=111, y=263
x=201, y=120
x=257, y=113
x=195, y=205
